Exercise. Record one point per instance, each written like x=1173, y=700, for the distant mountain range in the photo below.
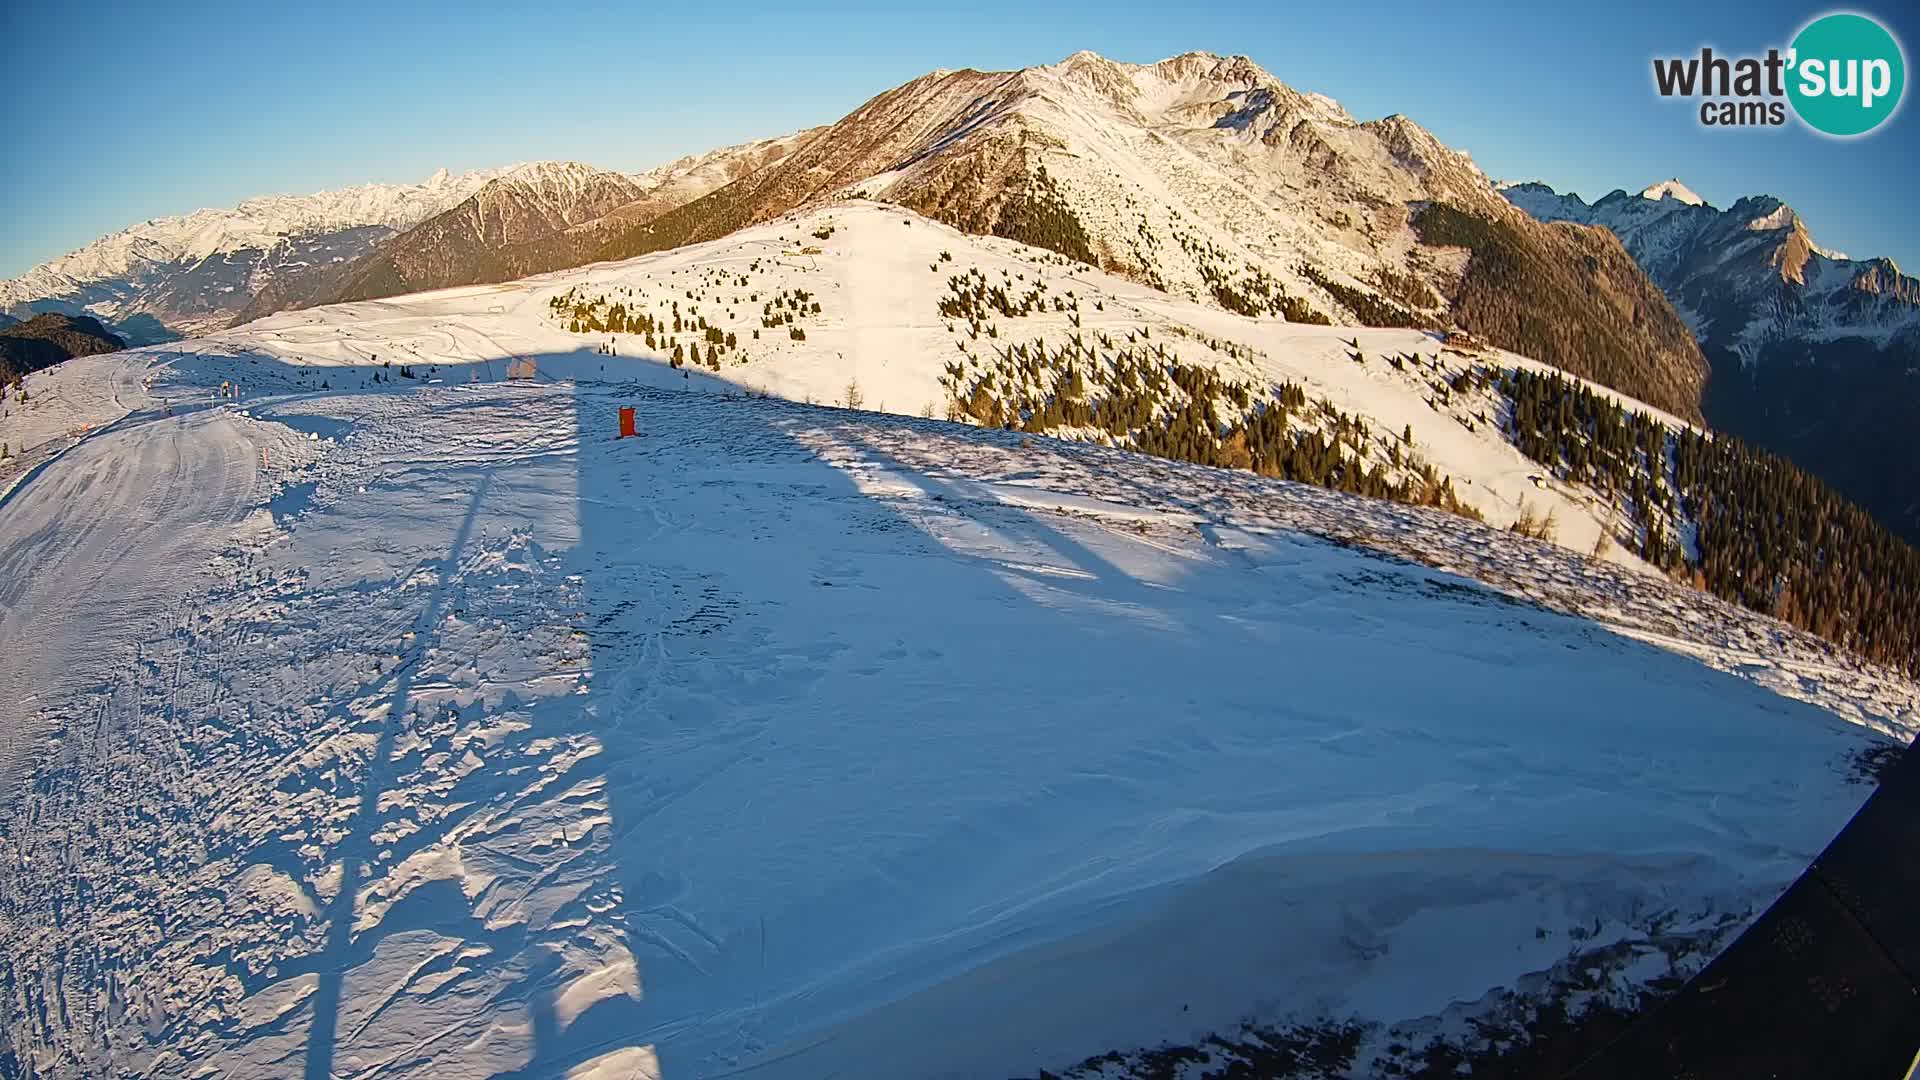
x=1815, y=355
x=179, y=275
x=532, y=219
x=207, y=270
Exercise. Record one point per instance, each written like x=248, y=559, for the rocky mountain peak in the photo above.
x=1882, y=277
x=1813, y=353
x=1791, y=245
x=1672, y=189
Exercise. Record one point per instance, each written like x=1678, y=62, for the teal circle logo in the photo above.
x=1848, y=74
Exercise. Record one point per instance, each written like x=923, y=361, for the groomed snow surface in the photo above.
x=422, y=728
x=809, y=740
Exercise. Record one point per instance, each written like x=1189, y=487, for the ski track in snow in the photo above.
x=451, y=737
x=115, y=538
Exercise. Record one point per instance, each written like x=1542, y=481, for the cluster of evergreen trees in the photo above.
x=1406, y=289
x=705, y=343
x=1779, y=540
x=1144, y=246
x=782, y=307
x=1572, y=298
x=1587, y=438
x=1037, y=215
x=971, y=296
x=1764, y=534
x=1371, y=310
x=1252, y=292
x=1143, y=397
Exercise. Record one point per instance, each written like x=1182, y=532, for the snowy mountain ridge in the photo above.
x=716, y=168
x=879, y=283
x=458, y=715
x=1201, y=175
x=1161, y=163
x=1745, y=276
x=199, y=271
x=1211, y=180
x=256, y=223
x=1816, y=356
x=1672, y=189
x=558, y=182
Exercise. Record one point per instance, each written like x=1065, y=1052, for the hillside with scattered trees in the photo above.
x=1135, y=389
x=1742, y=523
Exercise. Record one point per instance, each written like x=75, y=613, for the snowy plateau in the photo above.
x=368, y=713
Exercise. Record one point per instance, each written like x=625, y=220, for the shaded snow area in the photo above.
x=427, y=730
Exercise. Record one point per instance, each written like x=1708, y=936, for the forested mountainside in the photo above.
x=1815, y=355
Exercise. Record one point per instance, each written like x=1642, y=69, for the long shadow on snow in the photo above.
x=688, y=583
x=358, y=851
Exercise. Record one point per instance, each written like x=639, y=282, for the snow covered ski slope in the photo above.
x=878, y=275
x=109, y=542
x=421, y=728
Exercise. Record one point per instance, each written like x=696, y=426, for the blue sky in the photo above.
x=122, y=112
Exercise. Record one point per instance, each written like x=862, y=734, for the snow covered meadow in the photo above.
x=419, y=727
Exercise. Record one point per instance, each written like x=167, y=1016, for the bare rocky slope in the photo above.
x=459, y=246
